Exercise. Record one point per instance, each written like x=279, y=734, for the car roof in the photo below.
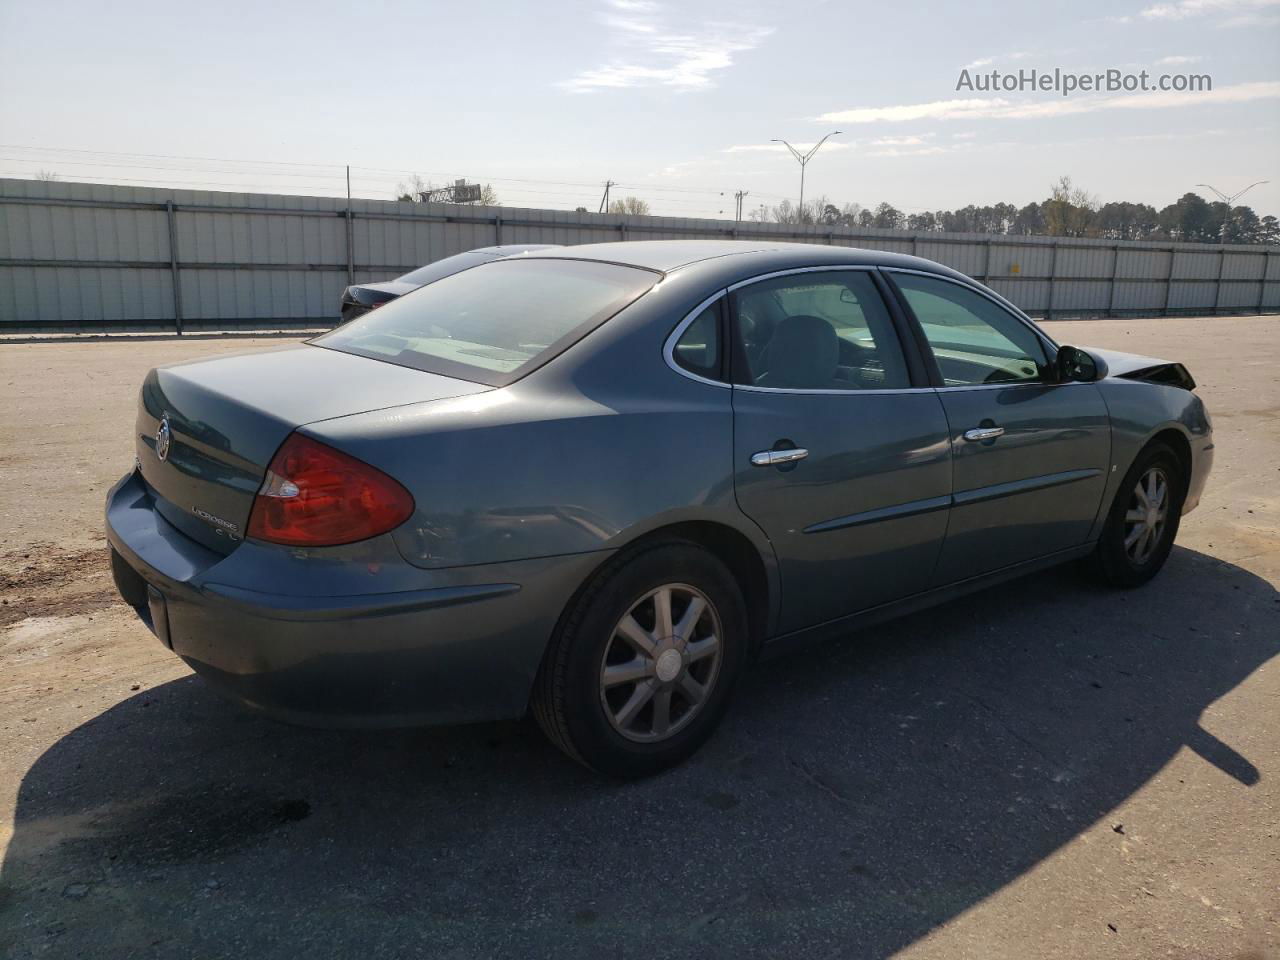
x=669, y=255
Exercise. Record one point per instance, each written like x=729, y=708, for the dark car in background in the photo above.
x=358, y=299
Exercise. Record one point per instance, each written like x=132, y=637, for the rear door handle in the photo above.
x=772, y=458
x=983, y=433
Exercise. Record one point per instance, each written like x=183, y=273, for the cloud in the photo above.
x=780, y=148
x=1249, y=20
x=988, y=61
x=935, y=109
x=648, y=54
x=920, y=152
x=1184, y=9
x=1175, y=60
x=1001, y=109
x=912, y=141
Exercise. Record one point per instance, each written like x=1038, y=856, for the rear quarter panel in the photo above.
x=600, y=446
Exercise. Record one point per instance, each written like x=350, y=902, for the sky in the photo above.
x=676, y=102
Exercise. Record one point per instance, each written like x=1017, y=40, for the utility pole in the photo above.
x=803, y=159
x=604, y=201
x=351, y=234
x=738, y=196
x=1230, y=202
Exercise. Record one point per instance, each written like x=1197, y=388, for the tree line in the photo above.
x=1068, y=211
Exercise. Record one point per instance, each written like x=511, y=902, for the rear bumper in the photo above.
x=297, y=634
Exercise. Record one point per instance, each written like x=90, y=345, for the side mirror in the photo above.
x=1073, y=364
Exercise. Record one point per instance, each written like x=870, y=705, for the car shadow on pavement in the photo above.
x=858, y=795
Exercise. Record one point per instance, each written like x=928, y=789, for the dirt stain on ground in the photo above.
x=45, y=580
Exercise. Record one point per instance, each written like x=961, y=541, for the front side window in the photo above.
x=822, y=330
x=495, y=322
x=974, y=340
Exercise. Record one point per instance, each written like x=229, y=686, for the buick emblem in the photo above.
x=163, y=437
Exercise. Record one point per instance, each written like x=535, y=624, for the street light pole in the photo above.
x=803, y=159
x=1230, y=202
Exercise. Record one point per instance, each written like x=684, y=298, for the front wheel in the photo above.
x=1140, y=528
x=641, y=669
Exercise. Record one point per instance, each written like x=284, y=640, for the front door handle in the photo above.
x=773, y=458
x=983, y=433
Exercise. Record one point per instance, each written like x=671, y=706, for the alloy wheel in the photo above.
x=1147, y=516
x=661, y=663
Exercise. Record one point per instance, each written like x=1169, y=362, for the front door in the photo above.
x=840, y=458
x=1030, y=454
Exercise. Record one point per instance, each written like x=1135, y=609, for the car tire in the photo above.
x=1123, y=556
x=619, y=696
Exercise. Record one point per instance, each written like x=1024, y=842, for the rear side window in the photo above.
x=821, y=330
x=698, y=349
x=495, y=322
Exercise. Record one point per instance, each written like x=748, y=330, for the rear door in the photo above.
x=841, y=453
x=1030, y=454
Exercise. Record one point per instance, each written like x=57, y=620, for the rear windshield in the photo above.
x=493, y=323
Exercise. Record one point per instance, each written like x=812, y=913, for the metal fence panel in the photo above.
x=1089, y=296
x=1143, y=264
x=1141, y=296
x=81, y=254
x=1191, y=296
x=1023, y=259
x=1198, y=266
x=1085, y=262
x=1244, y=266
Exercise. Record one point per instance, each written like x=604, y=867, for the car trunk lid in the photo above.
x=206, y=430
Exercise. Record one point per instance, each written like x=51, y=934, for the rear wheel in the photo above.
x=640, y=670
x=1143, y=521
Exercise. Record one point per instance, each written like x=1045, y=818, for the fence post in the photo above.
x=1168, y=283
x=497, y=230
x=351, y=253
x=1217, y=287
x=1262, y=287
x=915, y=244
x=1053, y=272
x=1115, y=270
x=986, y=263
x=175, y=279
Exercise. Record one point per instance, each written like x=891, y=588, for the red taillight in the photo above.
x=316, y=496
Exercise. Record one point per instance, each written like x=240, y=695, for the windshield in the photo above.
x=494, y=323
